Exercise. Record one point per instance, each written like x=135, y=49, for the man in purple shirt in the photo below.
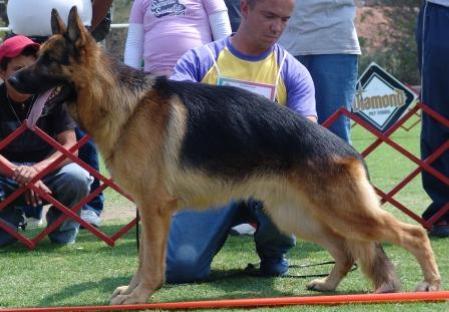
x=252, y=60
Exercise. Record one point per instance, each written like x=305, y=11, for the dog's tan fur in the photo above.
x=139, y=133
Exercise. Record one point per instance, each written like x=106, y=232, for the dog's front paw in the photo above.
x=121, y=290
x=320, y=284
x=124, y=299
x=428, y=286
x=128, y=299
x=137, y=295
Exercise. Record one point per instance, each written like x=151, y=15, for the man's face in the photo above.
x=267, y=19
x=14, y=65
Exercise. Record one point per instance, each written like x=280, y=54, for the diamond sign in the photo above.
x=381, y=99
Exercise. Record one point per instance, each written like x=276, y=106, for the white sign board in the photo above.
x=381, y=99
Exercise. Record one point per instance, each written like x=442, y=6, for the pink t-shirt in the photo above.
x=172, y=27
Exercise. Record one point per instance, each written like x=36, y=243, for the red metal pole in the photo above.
x=257, y=302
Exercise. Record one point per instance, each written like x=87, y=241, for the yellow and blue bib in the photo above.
x=274, y=73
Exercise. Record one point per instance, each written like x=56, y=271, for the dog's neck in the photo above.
x=98, y=98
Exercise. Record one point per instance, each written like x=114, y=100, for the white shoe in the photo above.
x=90, y=217
x=243, y=229
x=33, y=223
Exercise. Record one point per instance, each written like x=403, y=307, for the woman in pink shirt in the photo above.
x=161, y=31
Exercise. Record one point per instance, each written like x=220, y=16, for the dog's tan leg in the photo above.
x=126, y=289
x=150, y=276
x=413, y=238
x=351, y=207
x=292, y=219
x=380, y=226
x=336, y=246
x=369, y=224
x=375, y=265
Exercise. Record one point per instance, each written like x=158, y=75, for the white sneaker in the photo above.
x=34, y=223
x=90, y=217
x=243, y=229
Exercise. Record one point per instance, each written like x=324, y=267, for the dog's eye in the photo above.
x=48, y=59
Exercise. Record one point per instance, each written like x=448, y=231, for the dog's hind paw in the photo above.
x=387, y=288
x=320, y=284
x=428, y=286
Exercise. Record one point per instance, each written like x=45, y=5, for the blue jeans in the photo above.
x=335, y=79
x=196, y=237
x=433, y=52
x=234, y=13
x=88, y=153
x=69, y=184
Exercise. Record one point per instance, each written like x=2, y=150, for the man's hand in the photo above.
x=32, y=198
x=23, y=174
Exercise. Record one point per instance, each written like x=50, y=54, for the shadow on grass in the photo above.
x=229, y=282
x=106, y=285
x=83, y=237
x=234, y=284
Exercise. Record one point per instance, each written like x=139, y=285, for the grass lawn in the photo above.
x=87, y=272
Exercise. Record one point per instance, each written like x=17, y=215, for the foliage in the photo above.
x=115, y=41
x=397, y=49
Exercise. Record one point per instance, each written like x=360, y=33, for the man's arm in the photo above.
x=300, y=88
x=24, y=173
x=218, y=18
x=67, y=139
x=6, y=163
x=135, y=39
x=195, y=63
x=186, y=68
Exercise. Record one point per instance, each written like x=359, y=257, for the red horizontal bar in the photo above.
x=437, y=296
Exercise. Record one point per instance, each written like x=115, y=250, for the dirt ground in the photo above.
x=112, y=211
x=118, y=212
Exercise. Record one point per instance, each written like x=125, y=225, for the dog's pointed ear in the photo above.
x=75, y=28
x=57, y=25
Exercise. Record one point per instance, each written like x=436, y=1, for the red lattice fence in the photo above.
x=423, y=165
x=381, y=138
x=66, y=212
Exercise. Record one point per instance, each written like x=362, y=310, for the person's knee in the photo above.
x=185, y=266
x=80, y=180
x=76, y=181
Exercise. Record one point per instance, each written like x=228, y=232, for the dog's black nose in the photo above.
x=17, y=82
x=13, y=81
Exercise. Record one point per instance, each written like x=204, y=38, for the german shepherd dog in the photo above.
x=179, y=144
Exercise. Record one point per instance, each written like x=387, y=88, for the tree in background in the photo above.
x=394, y=46
x=3, y=17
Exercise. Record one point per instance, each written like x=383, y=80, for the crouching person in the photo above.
x=28, y=154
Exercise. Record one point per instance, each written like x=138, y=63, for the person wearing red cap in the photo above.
x=28, y=154
x=35, y=24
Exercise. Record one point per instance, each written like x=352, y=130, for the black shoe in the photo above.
x=274, y=266
x=440, y=229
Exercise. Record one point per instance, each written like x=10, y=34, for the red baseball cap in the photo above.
x=14, y=46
